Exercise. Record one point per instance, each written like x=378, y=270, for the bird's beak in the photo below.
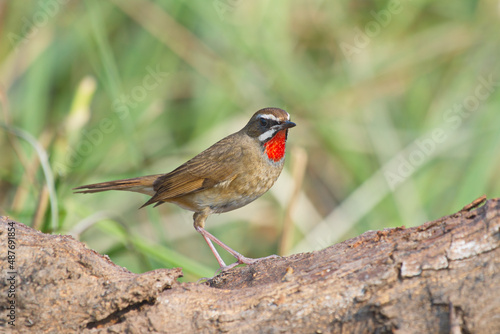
x=287, y=125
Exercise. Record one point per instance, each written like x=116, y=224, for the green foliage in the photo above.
x=396, y=105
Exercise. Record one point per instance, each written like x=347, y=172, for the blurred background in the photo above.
x=396, y=103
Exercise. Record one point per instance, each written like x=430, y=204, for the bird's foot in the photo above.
x=244, y=260
x=226, y=268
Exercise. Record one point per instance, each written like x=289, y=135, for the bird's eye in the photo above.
x=263, y=122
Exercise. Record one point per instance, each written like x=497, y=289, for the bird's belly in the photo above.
x=226, y=196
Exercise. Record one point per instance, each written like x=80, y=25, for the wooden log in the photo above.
x=440, y=277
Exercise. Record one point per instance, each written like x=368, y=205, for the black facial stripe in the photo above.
x=267, y=123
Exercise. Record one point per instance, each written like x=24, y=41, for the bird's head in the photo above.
x=269, y=126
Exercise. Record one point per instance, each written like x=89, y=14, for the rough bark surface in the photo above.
x=440, y=277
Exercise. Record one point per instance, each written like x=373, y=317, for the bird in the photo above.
x=231, y=173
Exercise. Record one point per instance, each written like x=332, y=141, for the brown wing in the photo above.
x=207, y=169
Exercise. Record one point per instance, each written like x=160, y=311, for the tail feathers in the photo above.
x=142, y=185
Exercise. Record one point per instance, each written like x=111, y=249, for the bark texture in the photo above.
x=440, y=277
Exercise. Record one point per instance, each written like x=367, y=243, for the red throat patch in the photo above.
x=275, y=148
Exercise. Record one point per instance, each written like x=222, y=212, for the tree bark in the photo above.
x=440, y=277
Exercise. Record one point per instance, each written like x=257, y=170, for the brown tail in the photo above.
x=143, y=184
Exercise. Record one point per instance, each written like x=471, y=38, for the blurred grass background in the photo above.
x=396, y=104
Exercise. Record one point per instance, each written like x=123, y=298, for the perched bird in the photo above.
x=228, y=175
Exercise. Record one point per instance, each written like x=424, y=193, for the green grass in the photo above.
x=365, y=96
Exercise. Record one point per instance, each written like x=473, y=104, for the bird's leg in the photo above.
x=238, y=256
x=212, y=248
x=199, y=222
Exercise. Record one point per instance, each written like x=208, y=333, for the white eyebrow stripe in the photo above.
x=268, y=134
x=269, y=116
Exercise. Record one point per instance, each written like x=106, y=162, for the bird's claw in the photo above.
x=244, y=260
